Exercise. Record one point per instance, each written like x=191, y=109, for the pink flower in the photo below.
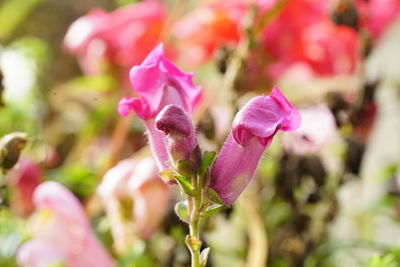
x=207, y=28
x=134, y=184
x=23, y=180
x=252, y=131
x=61, y=223
x=317, y=129
x=377, y=15
x=158, y=82
x=179, y=130
x=115, y=195
x=120, y=38
x=304, y=33
x=36, y=253
x=151, y=197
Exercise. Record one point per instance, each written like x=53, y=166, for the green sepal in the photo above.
x=206, y=161
x=186, y=186
x=186, y=168
x=204, y=257
x=213, y=209
x=181, y=210
x=168, y=175
x=214, y=197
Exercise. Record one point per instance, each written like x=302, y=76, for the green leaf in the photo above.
x=181, y=209
x=186, y=186
x=186, y=168
x=213, y=209
x=168, y=175
x=214, y=197
x=207, y=160
x=204, y=256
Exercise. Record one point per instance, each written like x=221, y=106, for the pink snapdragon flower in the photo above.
x=158, y=82
x=121, y=38
x=151, y=197
x=317, y=129
x=252, y=131
x=179, y=130
x=61, y=223
x=23, y=180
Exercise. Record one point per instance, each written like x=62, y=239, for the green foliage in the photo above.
x=388, y=260
x=13, y=13
x=78, y=178
x=12, y=235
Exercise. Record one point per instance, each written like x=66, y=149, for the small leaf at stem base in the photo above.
x=181, y=209
x=213, y=209
x=168, y=175
x=207, y=160
x=186, y=186
x=214, y=197
x=186, y=168
x=204, y=257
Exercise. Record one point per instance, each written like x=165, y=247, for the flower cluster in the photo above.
x=166, y=95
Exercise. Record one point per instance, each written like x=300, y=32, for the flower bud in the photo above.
x=180, y=134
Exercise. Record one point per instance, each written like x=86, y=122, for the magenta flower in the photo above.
x=158, y=82
x=60, y=222
x=178, y=127
x=252, y=131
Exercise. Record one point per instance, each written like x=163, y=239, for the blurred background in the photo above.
x=324, y=195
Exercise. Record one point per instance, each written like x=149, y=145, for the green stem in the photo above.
x=194, y=224
x=194, y=231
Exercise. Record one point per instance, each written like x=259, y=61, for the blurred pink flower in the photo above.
x=178, y=127
x=252, y=131
x=304, y=33
x=61, y=222
x=151, y=197
x=36, y=253
x=122, y=38
x=23, y=180
x=317, y=128
x=208, y=27
x=135, y=199
x=115, y=196
x=377, y=15
x=214, y=24
x=159, y=83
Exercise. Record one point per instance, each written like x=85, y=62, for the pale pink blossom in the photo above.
x=317, y=129
x=151, y=197
x=60, y=222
